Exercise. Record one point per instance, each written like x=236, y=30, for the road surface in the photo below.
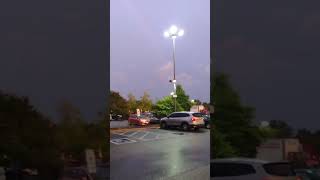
x=154, y=154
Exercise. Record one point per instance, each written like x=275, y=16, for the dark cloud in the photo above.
x=55, y=50
x=270, y=49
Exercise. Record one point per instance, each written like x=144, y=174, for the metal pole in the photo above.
x=174, y=57
x=174, y=71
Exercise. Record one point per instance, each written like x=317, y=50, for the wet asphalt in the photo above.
x=158, y=154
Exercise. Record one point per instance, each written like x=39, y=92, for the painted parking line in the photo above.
x=117, y=136
x=138, y=134
x=149, y=136
x=145, y=134
x=132, y=134
x=128, y=133
x=122, y=141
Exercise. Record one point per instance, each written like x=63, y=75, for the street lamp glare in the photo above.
x=173, y=29
x=181, y=32
x=166, y=34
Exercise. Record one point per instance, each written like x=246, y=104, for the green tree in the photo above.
x=183, y=98
x=71, y=131
x=118, y=105
x=132, y=102
x=145, y=103
x=165, y=106
x=282, y=128
x=196, y=102
x=27, y=136
x=220, y=148
x=267, y=132
x=233, y=118
x=97, y=131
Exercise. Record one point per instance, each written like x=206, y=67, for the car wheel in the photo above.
x=163, y=125
x=185, y=126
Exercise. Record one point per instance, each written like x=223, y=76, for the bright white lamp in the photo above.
x=173, y=29
x=166, y=34
x=181, y=32
x=173, y=32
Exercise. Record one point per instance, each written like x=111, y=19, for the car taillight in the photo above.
x=193, y=119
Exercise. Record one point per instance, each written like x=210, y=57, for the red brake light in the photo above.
x=193, y=119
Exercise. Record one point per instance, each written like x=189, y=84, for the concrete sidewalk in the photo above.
x=122, y=129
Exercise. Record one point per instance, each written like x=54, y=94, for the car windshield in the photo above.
x=197, y=115
x=279, y=169
x=142, y=116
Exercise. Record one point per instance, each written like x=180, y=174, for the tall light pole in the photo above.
x=173, y=33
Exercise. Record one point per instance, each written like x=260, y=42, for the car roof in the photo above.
x=240, y=160
x=189, y=112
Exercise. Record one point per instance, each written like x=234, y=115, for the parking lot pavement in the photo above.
x=159, y=154
x=146, y=134
x=202, y=173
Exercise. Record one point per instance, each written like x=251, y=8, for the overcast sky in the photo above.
x=271, y=51
x=141, y=58
x=55, y=50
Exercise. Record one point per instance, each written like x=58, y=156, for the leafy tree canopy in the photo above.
x=233, y=118
x=145, y=103
x=183, y=98
x=118, y=105
x=165, y=106
x=132, y=102
x=282, y=128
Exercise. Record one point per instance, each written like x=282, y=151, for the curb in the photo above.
x=134, y=128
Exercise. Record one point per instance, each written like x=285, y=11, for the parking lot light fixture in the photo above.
x=181, y=32
x=173, y=33
x=173, y=29
x=166, y=34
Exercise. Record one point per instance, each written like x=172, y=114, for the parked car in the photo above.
x=153, y=119
x=250, y=169
x=75, y=174
x=184, y=120
x=17, y=173
x=141, y=120
x=206, y=119
x=116, y=118
x=308, y=174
